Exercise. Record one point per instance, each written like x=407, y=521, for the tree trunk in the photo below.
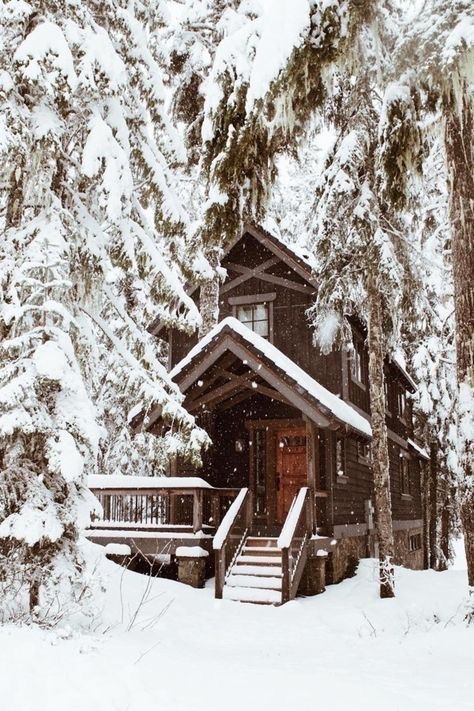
x=380, y=458
x=34, y=595
x=209, y=306
x=209, y=294
x=433, y=510
x=459, y=154
x=425, y=502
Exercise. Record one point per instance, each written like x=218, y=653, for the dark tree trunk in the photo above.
x=380, y=458
x=16, y=194
x=433, y=506
x=34, y=595
x=459, y=154
x=425, y=501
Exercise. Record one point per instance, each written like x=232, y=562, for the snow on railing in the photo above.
x=228, y=520
x=291, y=523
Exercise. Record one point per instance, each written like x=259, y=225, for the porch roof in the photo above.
x=268, y=363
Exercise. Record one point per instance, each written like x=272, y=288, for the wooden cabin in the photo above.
x=291, y=434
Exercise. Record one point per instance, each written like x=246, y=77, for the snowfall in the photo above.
x=158, y=645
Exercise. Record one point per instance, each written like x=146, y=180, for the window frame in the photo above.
x=404, y=471
x=387, y=393
x=415, y=542
x=402, y=398
x=340, y=444
x=251, y=300
x=364, y=458
x=357, y=355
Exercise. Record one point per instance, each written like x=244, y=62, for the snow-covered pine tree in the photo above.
x=265, y=82
x=432, y=356
x=436, y=53
x=365, y=269
x=88, y=213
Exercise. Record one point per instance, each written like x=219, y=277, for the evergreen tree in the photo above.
x=432, y=357
x=438, y=42
x=90, y=217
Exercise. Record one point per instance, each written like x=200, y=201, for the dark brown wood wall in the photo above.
x=291, y=331
x=403, y=507
x=350, y=495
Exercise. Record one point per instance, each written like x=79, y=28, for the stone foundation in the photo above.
x=192, y=565
x=342, y=562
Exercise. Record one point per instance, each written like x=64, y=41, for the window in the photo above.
x=256, y=317
x=415, y=542
x=402, y=404
x=363, y=452
x=357, y=360
x=260, y=470
x=340, y=458
x=387, y=394
x=404, y=476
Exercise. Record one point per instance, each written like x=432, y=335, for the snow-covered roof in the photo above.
x=123, y=481
x=419, y=450
x=339, y=409
x=272, y=232
x=400, y=365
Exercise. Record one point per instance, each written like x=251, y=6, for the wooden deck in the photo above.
x=156, y=516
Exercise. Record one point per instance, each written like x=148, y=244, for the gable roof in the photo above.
x=269, y=363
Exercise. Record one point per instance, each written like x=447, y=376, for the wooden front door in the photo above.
x=290, y=469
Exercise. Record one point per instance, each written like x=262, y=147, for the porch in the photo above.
x=164, y=516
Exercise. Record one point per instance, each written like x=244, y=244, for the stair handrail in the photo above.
x=230, y=537
x=293, y=541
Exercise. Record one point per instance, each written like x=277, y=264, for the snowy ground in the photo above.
x=185, y=651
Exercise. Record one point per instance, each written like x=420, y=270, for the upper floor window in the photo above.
x=404, y=475
x=256, y=317
x=387, y=394
x=402, y=404
x=357, y=361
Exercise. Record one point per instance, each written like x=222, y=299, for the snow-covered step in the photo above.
x=261, y=542
x=253, y=581
x=252, y=550
x=256, y=559
x=269, y=597
x=260, y=570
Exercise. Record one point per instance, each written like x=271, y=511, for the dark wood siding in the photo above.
x=351, y=492
x=291, y=330
x=404, y=507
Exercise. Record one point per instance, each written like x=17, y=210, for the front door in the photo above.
x=291, y=468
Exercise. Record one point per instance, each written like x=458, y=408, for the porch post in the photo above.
x=197, y=510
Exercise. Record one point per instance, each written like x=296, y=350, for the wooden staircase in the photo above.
x=256, y=575
x=260, y=568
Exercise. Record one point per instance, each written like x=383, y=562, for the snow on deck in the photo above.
x=123, y=481
x=340, y=409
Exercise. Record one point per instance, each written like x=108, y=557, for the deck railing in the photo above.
x=192, y=508
x=231, y=536
x=293, y=542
